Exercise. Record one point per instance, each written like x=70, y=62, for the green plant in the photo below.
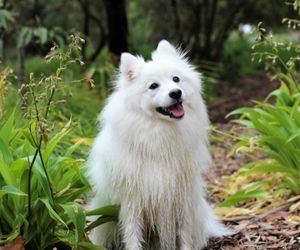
x=102, y=76
x=273, y=125
x=39, y=67
x=4, y=86
x=236, y=58
x=34, y=199
x=42, y=185
x=7, y=18
x=211, y=75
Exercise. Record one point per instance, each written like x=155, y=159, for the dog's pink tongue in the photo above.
x=177, y=111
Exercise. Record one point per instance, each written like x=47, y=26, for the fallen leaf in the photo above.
x=277, y=215
x=295, y=207
x=295, y=219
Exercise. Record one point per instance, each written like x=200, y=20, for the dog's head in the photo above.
x=162, y=87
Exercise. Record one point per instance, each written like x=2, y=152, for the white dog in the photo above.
x=151, y=154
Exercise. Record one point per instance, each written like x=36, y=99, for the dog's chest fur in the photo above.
x=163, y=153
x=156, y=176
x=157, y=169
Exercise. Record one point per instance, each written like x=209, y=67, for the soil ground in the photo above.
x=272, y=228
x=241, y=94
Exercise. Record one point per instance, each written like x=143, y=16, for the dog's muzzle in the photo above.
x=175, y=110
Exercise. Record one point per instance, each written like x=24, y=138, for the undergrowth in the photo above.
x=43, y=185
x=271, y=128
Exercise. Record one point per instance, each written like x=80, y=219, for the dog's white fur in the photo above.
x=151, y=164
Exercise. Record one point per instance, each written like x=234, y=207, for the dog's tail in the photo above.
x=214, y=227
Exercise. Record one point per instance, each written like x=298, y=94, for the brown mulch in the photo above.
x=17, y=244
x=269, y=230
x=272, y=232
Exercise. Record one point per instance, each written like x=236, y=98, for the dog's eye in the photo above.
x=154, y=85
x=176, y=79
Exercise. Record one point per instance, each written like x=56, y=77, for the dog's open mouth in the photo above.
x=174, y=111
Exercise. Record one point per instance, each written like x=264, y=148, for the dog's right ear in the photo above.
x=130, y=65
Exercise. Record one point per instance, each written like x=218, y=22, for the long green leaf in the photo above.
x=53, y=143
x=76, y=213
x=7, y=174
x=112, y=210
x=54, y=215
x=89, y=246
x=11, y=190
x=253, y=191
x=99, y=221
x=42, y=179
x=7, y=129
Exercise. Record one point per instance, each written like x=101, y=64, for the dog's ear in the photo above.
x=164, y=47
x=130, y=65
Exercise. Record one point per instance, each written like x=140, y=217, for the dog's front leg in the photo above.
x=185, y=232
x=132, y=228
x=192, y=228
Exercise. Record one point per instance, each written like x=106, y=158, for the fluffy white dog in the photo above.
x=151, y=154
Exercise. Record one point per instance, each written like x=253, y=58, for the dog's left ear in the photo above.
x=165, y=48
x=130, y=65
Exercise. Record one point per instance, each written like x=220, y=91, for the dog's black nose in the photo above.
x=175, y=94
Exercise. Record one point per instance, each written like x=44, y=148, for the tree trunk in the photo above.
x=177, y=23
x=210, y=16
x=117, y=28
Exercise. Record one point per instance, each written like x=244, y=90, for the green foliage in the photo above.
x=102, y=75
x=4, y=86
x=279, y=135
x=39, y=35
x=141, y=29
x=236, y=59
x=273, y=124
x=84, y=105
x=107, y=214
x=42, y=185
x=277, y=52
x=39, y=67
x=6, y=17
x=211, y=74
x=35, y=207
x=252, y=191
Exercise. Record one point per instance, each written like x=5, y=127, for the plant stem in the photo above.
x=38, y=152
x=29, y=185
x=47, y=175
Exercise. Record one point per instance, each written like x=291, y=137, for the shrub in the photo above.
x=273, y=124
x=38, y=189
x=236, y=58
x=42, y=185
